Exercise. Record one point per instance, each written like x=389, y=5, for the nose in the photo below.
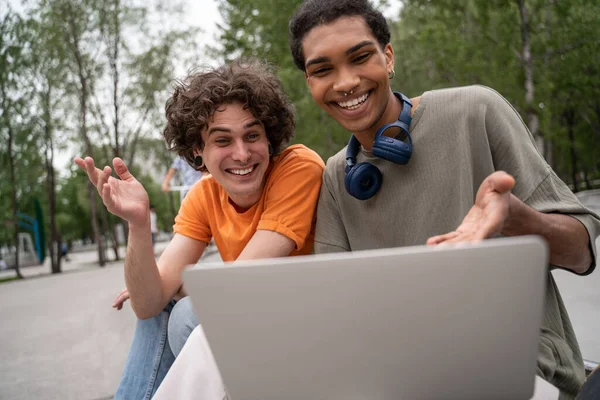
x=241, y=152
x=346, y=80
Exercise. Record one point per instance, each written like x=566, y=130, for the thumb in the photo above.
x=501, y=182
x=121, y=169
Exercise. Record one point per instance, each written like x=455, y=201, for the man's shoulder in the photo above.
x=299, y=153
x=336, y=164
x=471, y=95
x=204, y=188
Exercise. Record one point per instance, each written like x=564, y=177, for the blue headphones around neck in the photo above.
x=363, y=180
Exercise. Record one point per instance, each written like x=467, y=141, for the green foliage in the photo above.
x=454, y=43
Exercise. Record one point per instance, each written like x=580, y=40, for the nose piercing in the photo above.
x=351, y=92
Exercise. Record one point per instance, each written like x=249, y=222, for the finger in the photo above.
x=103, y=176
x=121, y=293
x=79, y=161
x=465, y=237
x=441, y=238
x=122, y=298
x=501, y=182
x=91, y=170
x=121, y=169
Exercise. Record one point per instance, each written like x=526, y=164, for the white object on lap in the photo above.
x=194, y=374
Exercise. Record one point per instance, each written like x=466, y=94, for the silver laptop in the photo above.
x=407, y=323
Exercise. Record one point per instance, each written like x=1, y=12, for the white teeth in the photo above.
x=241, y=171
x=353, y=104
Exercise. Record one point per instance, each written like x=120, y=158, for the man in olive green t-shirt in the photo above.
x=474, y=171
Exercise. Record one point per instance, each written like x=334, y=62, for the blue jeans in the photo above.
x=156, y=343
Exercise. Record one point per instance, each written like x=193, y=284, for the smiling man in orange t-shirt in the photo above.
x=259, y=202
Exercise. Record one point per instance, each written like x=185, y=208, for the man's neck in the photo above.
x=395, y=106
x=390, y=114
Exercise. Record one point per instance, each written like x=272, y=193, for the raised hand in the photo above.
x=487, y=216
x=125, y=197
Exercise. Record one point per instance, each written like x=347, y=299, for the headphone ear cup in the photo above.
x=393, y=150
x=363, y=181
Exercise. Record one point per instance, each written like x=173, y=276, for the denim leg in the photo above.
x=181, y=324
x=149, y=358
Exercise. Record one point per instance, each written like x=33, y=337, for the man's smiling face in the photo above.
x=236, y=153
x=347, y=73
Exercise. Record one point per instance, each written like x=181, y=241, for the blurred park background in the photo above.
x=90, y=78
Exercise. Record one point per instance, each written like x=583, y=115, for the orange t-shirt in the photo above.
x=287, y=206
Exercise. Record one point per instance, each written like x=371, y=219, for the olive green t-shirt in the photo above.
x=460, y=136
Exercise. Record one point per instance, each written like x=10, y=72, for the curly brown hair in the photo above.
x=247, y=81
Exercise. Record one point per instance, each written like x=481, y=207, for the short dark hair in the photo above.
x=247, y=81
x=312, y=13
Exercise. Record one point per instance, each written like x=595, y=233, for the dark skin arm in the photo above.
x=498, y=211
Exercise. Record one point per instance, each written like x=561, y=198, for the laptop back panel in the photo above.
x=407, y=323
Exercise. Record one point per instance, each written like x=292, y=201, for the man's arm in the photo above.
x=330, y=233
x=566, y=236
x=166, y=182
x=267, y=244
x=152, y=285
x=497, y=211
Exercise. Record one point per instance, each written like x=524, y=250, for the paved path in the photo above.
x=60, y=339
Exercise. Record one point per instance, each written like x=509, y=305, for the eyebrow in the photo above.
x=247, y=125
x=347, y=52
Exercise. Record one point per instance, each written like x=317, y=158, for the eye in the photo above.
x=362, y=58
x=222, y=141
x=253, y=136
x=320, y=71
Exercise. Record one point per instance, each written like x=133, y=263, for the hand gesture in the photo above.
x=125, y=197
x=121, y=298
x=487, y=216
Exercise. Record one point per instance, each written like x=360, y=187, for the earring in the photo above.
x=198, y=162
x=270, y=149
x=392, y=74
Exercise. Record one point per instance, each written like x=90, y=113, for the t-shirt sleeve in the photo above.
x=191, y=220
x=178, y=164
x=330, y=234
x=537, y=185
x=291, y=198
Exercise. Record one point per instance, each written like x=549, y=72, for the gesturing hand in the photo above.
x=487, y=216
x=121, y=298
x=125, y=197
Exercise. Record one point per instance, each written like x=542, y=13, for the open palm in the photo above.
x=125, y=197
x=487, y=216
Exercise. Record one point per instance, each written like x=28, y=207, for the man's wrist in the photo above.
x=140, y=227
x=522, y=219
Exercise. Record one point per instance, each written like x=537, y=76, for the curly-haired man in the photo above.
x=235, y=122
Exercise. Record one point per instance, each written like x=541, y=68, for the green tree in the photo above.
x=526, y=49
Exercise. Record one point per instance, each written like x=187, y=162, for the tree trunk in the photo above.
x=55, y=261
x=569, y=116
x=15, y=209
x=73, y=38
x=527, y=60
x=586, y=179
x=109, y=228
